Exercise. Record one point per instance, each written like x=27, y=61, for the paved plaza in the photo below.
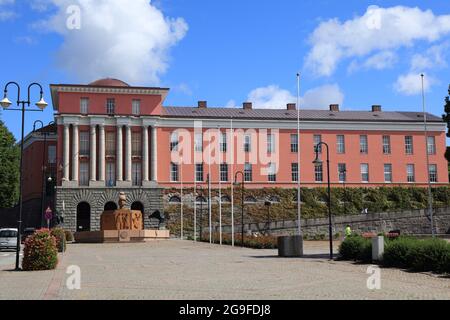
x=177, y=269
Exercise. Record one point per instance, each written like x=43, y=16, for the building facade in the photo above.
x=112, y=137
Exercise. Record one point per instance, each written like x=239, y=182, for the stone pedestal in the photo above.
x=290, y=246
x=377, y=248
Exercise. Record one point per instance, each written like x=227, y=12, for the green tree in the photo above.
x=446, y=118
x=9, y=168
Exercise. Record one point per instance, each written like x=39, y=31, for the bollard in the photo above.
x=290, y=246
x=377, y=248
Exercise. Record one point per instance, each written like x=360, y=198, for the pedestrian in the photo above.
x=348, y=231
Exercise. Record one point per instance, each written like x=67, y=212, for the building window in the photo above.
x=317, y=140
x=84, y=105
x=223, y=142
x=363, y=145
x=110, y=174
x=174, y=140
x=433, y=173
x=409, y=149
x=318, y=173
x=388, y=172
x=248, y=172
x=136, y=107
x=110, y=106
x=84, y=173
x=110, y=144
x=136, y=173
x=341, y=144
x=270, y=143
x=173, y=172
x=294, y=143
x=410, y=173
x=272, y=171
x=431, y=145
x=198, y=142
x=199, y=172
x=294, y=172
x=223, y=172
x=136, y=144
x=386, y=145
x=51, y=154
x=364, y=172
x=342, y=172
x=247, y=143
x=84, y=143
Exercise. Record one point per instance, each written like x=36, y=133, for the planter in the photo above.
x=290, y=246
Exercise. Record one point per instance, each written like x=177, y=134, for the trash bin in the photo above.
x=290, y=246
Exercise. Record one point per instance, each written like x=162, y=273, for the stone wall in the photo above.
x=151, y=199
x=408, y=222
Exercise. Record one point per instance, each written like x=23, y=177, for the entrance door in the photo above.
x=83, y=217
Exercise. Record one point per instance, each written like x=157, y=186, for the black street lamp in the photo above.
x=5, y=103
x=242, y=203
x=318, y=162
x=44, y=167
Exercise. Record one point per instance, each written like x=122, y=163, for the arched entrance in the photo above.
x=138, y=206
x=110, y=206
x=83, y=217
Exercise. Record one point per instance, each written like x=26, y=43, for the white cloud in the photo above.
x=378, y=30
x=379, y=61
x=411, y=84
x=129, y=40
x=434, y=57
x=6, y=13
x=274, y=97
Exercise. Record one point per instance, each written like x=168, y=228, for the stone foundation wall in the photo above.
x=412, y=222
x=98, y=197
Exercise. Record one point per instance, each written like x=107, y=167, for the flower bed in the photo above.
x=40, y=252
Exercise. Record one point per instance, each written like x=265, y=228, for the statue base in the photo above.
x=121, y=236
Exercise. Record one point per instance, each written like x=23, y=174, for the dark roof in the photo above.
x=51, y=128
x=279, y=114
x=109, y=82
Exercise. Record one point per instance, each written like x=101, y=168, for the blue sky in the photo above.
x=227, y=52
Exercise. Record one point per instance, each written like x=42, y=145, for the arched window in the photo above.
x=174, y=199
x=110, y=206
x=225, y=199
x=83, y=217
x=200, y=199
x=274, y=199
x=250, y=199
x=138, y=206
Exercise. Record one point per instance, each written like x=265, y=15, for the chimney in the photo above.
x=292, y=106
x=376, y=108
x=202, y=104
x=248, y=106
x=334, y=107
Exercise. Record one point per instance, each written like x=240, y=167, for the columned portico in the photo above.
x=75, y=153
x=93, y=156
x=66, y=153
x=119, y=175
x=101, y=156
x=154, y=154
x=128, y=155
x=145, y=161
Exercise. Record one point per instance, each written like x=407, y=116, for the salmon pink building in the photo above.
x=112, y=137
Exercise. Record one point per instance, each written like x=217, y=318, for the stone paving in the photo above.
x=185, y=270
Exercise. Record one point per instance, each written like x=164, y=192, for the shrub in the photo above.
x=356, y=248
x=40, y=252
x=60, y=237
x=431, y=255
x=69, y=235
x=398, y=253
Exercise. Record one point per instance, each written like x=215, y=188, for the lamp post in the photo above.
x=5, y=103
x=44, y=167
x=268, y=204
x=344, y=173
x=317, y=162
x=242, y=203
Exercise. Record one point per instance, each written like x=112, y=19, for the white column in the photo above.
x=128, y=155
x=119, y=175
x=154, y=159
x=66, y=152
x=145, y=163
x=93, y=153
x=101, y=155
x=75, y=153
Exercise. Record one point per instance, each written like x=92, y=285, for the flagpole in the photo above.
x=430, y=194
x=232, y=186
x=219, y=135
x=298, y=159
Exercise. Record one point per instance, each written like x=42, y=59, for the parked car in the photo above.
x=8, y=239
x=27, y=232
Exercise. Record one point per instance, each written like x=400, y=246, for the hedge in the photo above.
x=40, y=252
x=60, y=237
x=403, y=252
